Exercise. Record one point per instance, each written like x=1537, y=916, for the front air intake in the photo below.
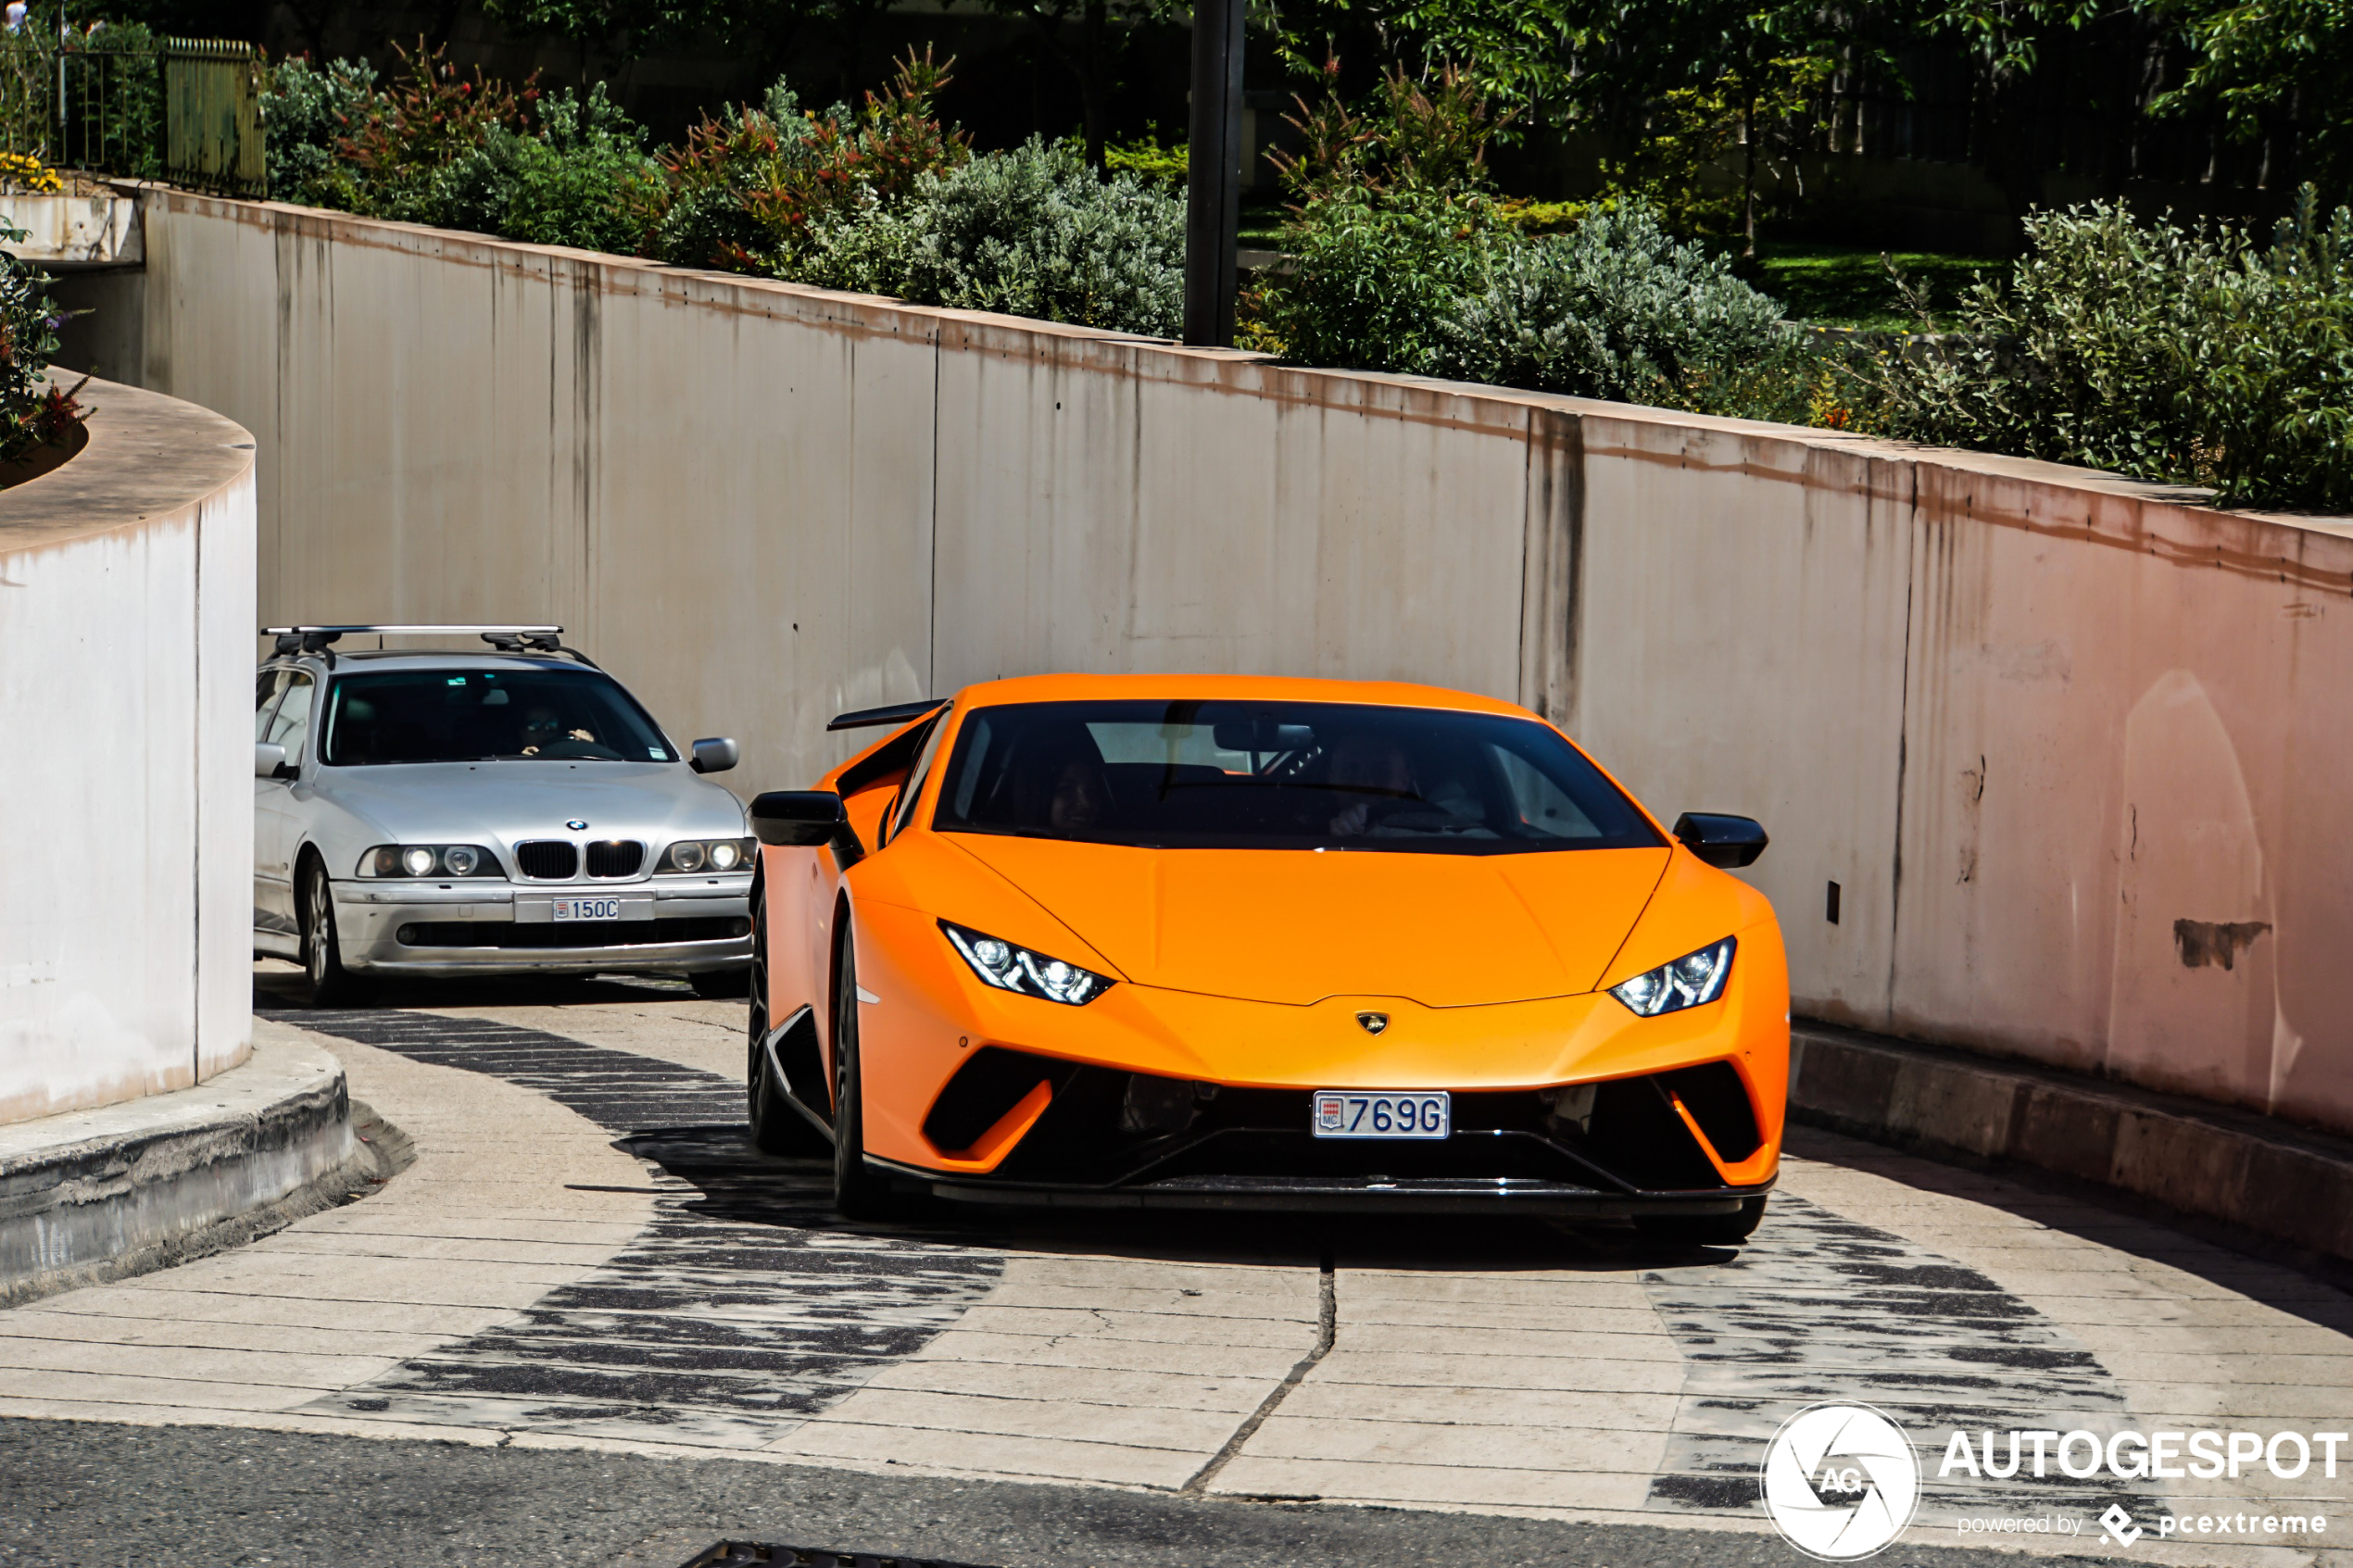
x=616, y=857
x=548, y=859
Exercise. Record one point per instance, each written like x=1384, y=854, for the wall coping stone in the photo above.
x=2284, y=1183
x=147, y=456
x=88, y=1196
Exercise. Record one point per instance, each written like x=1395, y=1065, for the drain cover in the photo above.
x=764, y=1555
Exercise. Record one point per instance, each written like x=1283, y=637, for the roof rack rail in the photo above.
x=506, y=639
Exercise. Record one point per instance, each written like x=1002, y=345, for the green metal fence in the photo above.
x=212, y=116
x=183, y=109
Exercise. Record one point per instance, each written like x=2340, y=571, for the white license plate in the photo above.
x=588, y=908
x=1380, y=1113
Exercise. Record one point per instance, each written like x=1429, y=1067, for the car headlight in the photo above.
x=429, y=860
x=1008, y=968
x=1691, y=980
x=691, y=854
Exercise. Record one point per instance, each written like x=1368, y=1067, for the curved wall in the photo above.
x=126, y=643
x=2071, y=747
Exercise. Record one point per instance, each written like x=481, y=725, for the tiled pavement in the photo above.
x=584, y=1254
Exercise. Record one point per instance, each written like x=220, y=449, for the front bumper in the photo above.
x=699, y=924
x=1688, y=1141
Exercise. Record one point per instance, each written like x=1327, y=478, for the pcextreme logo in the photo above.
x=1840, y=1481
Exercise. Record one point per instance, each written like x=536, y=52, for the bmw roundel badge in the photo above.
x=577, y=825
x=1374, y=1022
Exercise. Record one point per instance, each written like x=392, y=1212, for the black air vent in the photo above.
x=615, y=856
x=548, y=859
x=1718, y=1102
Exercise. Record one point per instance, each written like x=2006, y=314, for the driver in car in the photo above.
x=1369, y=766
x=541, y=727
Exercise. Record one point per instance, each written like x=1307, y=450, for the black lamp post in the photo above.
x=1213, y=175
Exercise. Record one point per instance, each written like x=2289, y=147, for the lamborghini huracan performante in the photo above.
x=1241, y=943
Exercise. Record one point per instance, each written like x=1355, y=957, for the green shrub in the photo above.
x=34, y=411
x=2191, y=355
x=305, y=113
x=1373, y=281
x=581, y=177
x=748, y=185
x=1032, y=231
x=1618, y=308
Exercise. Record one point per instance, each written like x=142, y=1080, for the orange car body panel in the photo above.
x=1247, y=968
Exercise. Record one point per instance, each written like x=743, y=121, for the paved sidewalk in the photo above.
x=529, y=1283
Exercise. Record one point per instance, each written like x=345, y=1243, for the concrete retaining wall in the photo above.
x=126, y=641
x=2068, y=745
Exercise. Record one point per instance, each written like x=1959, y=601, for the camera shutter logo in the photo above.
x=1840, y=1482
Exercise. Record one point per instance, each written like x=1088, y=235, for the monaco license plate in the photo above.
x=588, y=908
x=1380, y=1113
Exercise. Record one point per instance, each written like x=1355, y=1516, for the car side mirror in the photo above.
x=714, y=756
x=801, y=817
x=270, y=760
x=1726, y=842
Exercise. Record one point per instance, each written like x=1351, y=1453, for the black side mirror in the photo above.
x=713, y=756
x=1726, y=842
x=803, y=816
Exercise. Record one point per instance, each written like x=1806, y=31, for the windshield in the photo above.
x=485, y=715
x=1216, y=776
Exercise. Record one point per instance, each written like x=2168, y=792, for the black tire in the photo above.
x=777, y=1128
x=859, y=1192
x=1705, y=1230
x=325, y=983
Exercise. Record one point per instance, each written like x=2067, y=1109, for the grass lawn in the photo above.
x=1262, y=222
x=1841, y=287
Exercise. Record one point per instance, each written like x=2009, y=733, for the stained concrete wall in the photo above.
x=2066, y=743
x=126, y=639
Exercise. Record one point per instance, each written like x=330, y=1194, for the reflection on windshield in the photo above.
x=485, y=715
x=1281, y=775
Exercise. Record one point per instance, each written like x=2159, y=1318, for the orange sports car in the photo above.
x=1245, y=943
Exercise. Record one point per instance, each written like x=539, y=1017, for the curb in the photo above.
x=99, y=1195
x=2249, y=1172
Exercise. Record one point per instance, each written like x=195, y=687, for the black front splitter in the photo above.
x=1317, y=1194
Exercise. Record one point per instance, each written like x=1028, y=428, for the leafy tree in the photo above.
x=2267, y=63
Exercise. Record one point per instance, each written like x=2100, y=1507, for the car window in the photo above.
x=548, y=714
x=290, y=720
x=916, y=773
x=1282, y=775
x=266, y=688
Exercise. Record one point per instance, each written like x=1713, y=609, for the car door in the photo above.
x=278, y=804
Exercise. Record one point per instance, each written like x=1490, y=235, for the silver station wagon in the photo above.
x=506, y=810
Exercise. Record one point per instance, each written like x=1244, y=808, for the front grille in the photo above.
x=1090, y=1133
x=615, y=856
x=548, y=859
x=572, y=933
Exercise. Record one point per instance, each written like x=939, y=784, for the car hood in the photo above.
x=1299, y=926
x=464, y=802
